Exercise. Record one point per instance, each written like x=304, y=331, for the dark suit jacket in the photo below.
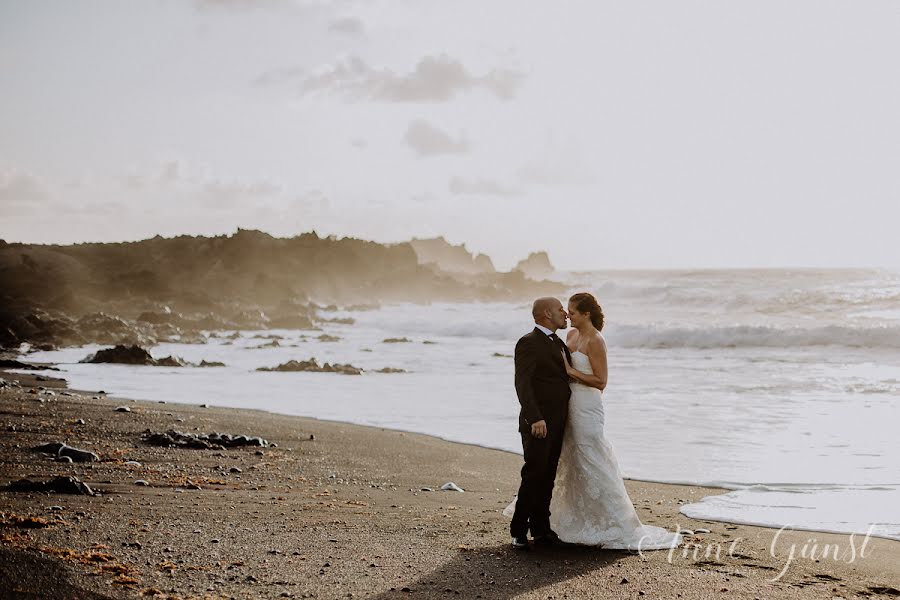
x=541, y=381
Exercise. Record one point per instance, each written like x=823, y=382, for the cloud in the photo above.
x=427, y=140
x=243, y=5
x=201, y=183
x=20, y=192
x=562, y=166
x=278, y=76
x=348, y=26
x=480, y=187
x=434, y=79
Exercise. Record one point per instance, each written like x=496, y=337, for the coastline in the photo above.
x=346, y=513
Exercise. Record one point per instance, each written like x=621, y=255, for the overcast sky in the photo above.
x=612, y=134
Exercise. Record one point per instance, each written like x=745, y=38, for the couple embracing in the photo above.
x=560, y=388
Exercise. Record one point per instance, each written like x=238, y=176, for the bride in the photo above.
x=590, y=505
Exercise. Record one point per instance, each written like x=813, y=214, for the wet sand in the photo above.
x=342, y=511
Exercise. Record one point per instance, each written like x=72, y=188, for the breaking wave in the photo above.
x=641, y=336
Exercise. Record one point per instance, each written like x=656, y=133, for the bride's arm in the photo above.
x=596, y=352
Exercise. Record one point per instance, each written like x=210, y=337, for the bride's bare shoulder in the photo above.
x=572, y=334
x=597, y=342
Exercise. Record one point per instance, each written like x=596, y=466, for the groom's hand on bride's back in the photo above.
x=539, y=429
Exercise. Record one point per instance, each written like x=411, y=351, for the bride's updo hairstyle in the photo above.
x=586, y=303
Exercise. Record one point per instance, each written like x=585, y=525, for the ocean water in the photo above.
x=781, y=385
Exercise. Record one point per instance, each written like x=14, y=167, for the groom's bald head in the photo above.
x=542, y=306
x=549, y=312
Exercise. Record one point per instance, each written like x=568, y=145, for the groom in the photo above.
x=543, y=389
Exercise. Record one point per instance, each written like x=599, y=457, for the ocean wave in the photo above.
x=746, y=336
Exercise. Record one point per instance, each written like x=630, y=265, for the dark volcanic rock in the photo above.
x=59, y=485
x=61, y=449
x=169, y=361
x=131, y=355
x=313, y=366
x=6, y=363
x=211, y=363
x=125, y=355
x=211, y=441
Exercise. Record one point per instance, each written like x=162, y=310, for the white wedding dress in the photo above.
x=590, y=505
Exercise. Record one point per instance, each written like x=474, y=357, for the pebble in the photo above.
x=450, y=486
x=65, y=459
x=701, y=531
x=141, y=482
x=55, y=507
x=132, y=463
x=687, y=532
x=426, y=489
x=123, y=409
x=235, y=470
x=79, y=422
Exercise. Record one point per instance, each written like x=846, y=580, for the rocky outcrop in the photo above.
x=451, y=258
x=121, y=355
x=312, y=366
x=131, y=355
x=175, y=289
x=536, y=266
x=135, y=355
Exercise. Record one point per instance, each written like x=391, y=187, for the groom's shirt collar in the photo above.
x=546, y=331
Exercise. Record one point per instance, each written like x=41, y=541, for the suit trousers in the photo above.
x=538, y=475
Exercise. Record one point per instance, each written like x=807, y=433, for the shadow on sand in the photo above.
x=499, y=572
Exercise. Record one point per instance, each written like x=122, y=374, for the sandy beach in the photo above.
x=339, y=511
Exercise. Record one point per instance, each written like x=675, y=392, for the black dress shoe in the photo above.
x=548, y=539
x=520, y=542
